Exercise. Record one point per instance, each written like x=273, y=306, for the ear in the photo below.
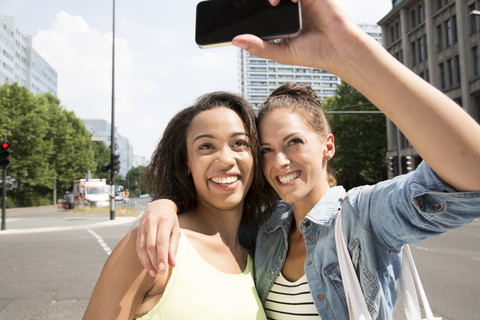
x=329, y=147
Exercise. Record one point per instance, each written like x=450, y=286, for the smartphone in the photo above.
x=219, y=21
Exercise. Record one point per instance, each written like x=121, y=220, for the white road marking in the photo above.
x=102, y=243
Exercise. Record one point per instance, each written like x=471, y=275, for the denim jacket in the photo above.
x=376, y=222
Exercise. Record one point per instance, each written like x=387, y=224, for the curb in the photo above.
x=107, y=223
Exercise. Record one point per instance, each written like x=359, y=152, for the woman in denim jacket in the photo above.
x=378, y=220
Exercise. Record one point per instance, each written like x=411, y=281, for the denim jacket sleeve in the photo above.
x=412, y=207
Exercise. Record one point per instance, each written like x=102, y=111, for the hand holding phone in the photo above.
x=219, y=21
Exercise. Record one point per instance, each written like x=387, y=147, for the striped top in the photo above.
x=290, y=300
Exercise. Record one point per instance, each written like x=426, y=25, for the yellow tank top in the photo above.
x=196, y=290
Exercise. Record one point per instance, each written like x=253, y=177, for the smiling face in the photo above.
x=294, y=156
x=219, y=158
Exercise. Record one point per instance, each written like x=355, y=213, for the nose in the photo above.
x=281, y=159
x=226, y=157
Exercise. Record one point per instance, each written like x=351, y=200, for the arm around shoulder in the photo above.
x=122, y=285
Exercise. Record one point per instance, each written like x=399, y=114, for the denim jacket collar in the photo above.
x=322, y=213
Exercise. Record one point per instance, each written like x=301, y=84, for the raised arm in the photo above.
x=442, y=132
x=157, y=236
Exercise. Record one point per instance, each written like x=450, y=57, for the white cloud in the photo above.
x=159, y=69
x=153, y=80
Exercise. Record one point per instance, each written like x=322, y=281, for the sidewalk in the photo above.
x=50, y=218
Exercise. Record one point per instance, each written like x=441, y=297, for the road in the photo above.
x=50, y=275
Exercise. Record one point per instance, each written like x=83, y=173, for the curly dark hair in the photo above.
x=167, y=174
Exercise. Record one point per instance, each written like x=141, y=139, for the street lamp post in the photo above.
x=112, y=134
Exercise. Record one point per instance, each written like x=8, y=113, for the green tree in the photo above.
x=360, y=139
x=102, y=156
x=50, y=146
x=135, y=181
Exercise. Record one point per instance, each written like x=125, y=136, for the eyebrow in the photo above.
x=284, y=139
x=211, y=136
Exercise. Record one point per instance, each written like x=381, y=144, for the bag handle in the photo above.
x=409, y=283
x=357, y=308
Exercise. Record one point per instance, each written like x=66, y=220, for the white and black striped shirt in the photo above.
x=290, y=300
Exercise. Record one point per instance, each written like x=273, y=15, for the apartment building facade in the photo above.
x=20, y=63
x=258, y=77
x=439, y=40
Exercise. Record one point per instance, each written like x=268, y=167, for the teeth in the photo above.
x=225, y=180
x=288, y=178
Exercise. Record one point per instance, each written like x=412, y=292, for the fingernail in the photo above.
x=161, y=268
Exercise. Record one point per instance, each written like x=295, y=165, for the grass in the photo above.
x=119, y=211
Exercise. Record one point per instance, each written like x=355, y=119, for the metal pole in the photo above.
x=399, y=157
x=4, y=193
x=4, y=197
x=112, y=134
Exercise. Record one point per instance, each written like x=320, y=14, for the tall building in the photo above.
x=101, y=131
x=439, y=40
x=259, y=76
x=20, y=63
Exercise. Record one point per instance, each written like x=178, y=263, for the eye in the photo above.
x=240, y=145
x=206, y=146
x=295, y=141
x=265, y=150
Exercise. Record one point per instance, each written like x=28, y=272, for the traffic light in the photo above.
x=393, y=165
x=5, y=154
x=105, y=167
x=407, y=164
x=116, y=163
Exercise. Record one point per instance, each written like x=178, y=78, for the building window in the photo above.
x=439, y=38
x=457, y=70
x=454, y=29
x=439, y=4
x=420, y=14
x=421, y=49
x=476, y=66
x=473, y=19
x=442, y=75
x=448, y=33
x=414, y=53
x=413, y=18
x=397, y=30
x=450, y=72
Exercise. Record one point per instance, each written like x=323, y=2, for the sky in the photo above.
x=159, y=69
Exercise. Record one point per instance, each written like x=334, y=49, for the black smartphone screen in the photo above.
x=219, y=21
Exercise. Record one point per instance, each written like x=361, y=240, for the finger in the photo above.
x=143, y=254
x=150, y=228
x=162, y=244
x=259, y=48
x=275, y=2
x=172, y=252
